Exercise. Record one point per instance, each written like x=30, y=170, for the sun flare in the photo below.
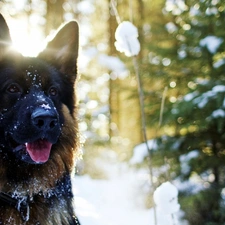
x=29, y=42
x=26, y=46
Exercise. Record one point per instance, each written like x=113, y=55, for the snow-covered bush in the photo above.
x=166, y=198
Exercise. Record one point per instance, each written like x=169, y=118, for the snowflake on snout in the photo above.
x=45, y=106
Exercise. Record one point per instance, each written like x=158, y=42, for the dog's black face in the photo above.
x=33, y=92
x=30, y=108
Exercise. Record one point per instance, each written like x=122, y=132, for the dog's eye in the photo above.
x=53, y=91
x=13, y=88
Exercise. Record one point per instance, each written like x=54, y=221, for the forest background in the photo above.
x=181, y=65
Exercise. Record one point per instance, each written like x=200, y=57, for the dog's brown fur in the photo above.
x=47, y=185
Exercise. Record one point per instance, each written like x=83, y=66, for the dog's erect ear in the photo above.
x=62, y=50
x=5, y=39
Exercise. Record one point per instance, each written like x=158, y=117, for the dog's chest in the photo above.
x=41, y=211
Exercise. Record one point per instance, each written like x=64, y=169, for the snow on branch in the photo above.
x=126, y=39
x=212, y=43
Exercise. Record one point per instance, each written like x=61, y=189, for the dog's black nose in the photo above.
x=44, y=119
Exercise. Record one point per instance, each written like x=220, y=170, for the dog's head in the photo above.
x=33, y=92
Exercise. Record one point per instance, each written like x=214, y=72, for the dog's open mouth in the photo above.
x=38, y=151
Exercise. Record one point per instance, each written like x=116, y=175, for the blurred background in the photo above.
x=181, y=64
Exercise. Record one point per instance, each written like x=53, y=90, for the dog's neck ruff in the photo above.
x=20, y=203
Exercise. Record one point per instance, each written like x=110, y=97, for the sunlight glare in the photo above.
x=29, y=42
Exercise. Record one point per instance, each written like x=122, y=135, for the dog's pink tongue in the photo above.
x=39, y=150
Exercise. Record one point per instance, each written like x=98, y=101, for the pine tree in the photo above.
x=195, y=109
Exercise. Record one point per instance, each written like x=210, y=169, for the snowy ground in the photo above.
x=119, y=200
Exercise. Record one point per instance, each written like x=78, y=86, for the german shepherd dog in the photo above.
x=38, y=130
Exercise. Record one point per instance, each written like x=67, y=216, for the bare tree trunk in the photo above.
x=140, y=21
x=113, y=84
x=54, y=15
